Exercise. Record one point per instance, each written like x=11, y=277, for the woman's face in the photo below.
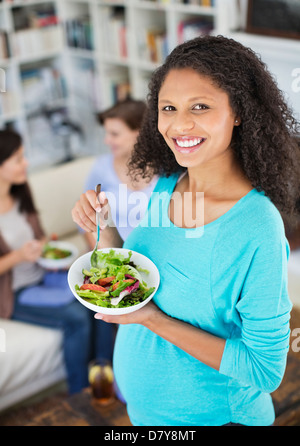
x=195, y=118
x=14, y=169
x=119, y=137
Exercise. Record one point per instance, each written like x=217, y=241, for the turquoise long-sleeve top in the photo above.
x=228, y=278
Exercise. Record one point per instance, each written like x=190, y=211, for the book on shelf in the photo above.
x=209, y=3
x=79, y=33
x=4, y=45
x=9, y=103
x=9, y=99
x=120, y=91
x=187, y=2
x=191, y=28
x=83, y=84
x=152, y=45
x=160, y=1
x=36, y=30
x=35, y=41
x=85, y=99
x=39, y=19
x=114, y=31
x=36, y=16
x=42, y=86
x=55, y=137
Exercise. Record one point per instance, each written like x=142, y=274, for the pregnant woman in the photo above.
x=212, y=345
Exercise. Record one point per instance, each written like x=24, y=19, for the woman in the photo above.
x=212, y=345
x=128, y=198
x=28, y=292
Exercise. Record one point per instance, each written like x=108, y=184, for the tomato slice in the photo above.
x=106, y=280
x=93, y=287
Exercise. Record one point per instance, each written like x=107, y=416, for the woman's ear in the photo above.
x=237, y=121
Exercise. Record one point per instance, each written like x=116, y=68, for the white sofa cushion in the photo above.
x=55, y=191
x=31, y=357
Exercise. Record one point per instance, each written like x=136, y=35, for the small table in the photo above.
x=81, y=409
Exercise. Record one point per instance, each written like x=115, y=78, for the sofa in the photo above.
x=31, y=358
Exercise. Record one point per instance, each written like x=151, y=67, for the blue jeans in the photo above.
x=51, y=304
x=103, y=338
x=72, y=318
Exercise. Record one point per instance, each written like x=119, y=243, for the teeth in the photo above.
x=189, y=142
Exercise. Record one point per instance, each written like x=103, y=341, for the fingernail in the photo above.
x=98, y=316
x=102, y=197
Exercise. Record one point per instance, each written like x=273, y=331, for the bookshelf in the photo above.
x=66, y=59
x=32, y=49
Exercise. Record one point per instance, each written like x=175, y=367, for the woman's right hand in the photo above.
x=84, y=211
x=31, y=251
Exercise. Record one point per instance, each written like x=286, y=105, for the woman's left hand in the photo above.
x=142, y=316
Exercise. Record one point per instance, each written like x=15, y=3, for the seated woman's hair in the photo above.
x=130, y=111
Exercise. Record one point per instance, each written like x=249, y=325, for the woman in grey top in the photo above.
x=28, y=292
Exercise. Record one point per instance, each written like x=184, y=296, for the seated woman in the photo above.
x=28, y=292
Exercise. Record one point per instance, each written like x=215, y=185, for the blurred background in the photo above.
x=63, y=60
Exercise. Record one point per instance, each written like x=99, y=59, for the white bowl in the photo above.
x=75, y=277
x=64, y=263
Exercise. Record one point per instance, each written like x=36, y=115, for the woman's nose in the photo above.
x=183, y=122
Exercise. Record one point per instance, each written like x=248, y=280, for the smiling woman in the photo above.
x=212, y=344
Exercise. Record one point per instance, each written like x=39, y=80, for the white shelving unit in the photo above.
x=100, y=50
x=34, y=78
x=131, y=38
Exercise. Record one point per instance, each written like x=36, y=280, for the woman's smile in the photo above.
x=188, y=145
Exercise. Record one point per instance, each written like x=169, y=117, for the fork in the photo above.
x=94, y=256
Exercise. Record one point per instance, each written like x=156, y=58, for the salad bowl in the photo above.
x=144, y=271
x=58, y=255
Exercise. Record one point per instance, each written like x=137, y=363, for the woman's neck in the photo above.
x=216, y=182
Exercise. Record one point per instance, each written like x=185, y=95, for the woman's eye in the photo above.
x=168, y=108
x=200, y=107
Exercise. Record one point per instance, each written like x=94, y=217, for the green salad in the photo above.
x=54, y=253
x=116, y=282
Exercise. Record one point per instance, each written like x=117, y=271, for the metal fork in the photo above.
x=94, y=256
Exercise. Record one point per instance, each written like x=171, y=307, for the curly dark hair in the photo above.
x=265, y=143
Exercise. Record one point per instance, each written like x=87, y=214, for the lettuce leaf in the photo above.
x=111, y=259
